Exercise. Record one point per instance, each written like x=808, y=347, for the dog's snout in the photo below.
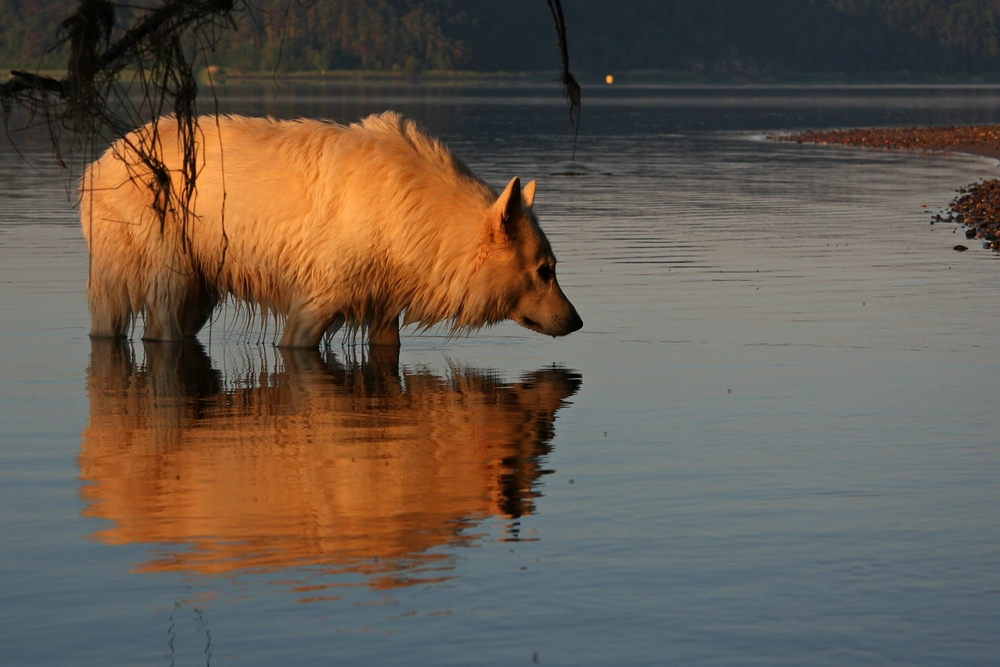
x=572, y=323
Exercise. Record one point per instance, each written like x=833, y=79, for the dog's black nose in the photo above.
x=575, y=324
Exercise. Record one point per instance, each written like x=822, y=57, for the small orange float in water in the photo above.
x=609, y=79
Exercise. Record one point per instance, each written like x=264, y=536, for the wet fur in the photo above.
x=320, y=224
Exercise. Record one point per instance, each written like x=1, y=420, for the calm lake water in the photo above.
x=772, y=443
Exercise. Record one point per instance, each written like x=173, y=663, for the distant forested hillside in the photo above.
x=28, y=28
x=741, y=38
x=735, y=39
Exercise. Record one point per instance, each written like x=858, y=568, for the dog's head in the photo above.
x=520, y=269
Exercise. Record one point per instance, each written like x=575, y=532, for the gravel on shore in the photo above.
x=977, y=139
x=977, y=206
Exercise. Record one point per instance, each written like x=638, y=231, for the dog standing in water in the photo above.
x=323, y=225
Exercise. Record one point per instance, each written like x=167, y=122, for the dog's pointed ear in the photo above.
x=509, y=202
x=528, y=195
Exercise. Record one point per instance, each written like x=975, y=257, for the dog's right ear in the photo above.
x=528, y=195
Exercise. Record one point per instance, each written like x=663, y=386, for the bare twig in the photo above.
x=571, y=89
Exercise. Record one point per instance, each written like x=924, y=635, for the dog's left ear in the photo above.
x=528, y=195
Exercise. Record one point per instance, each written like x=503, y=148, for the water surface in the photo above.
x=772, y=441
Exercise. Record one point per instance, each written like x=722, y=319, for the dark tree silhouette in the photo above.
x=118, y=79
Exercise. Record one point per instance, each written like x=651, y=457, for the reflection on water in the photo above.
x=355, y=466
x=785, y=451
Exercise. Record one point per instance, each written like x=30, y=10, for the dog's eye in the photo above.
x=545, y=273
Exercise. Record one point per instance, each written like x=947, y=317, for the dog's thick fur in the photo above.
x=320, y=224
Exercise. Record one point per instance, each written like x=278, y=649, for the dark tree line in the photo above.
x=344, y=34
x=700, y=37
x=744, y=40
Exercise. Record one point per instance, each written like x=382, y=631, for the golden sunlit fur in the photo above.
x=319, y=224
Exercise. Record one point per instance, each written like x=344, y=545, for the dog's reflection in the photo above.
x=355, y=466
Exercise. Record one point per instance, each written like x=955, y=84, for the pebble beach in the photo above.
x=977, y=206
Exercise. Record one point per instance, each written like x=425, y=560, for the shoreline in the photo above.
x=982, y=140
x=977, y=206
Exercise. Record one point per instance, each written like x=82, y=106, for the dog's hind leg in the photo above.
x=109, y=294
x=177, y=305
x=110, y=311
